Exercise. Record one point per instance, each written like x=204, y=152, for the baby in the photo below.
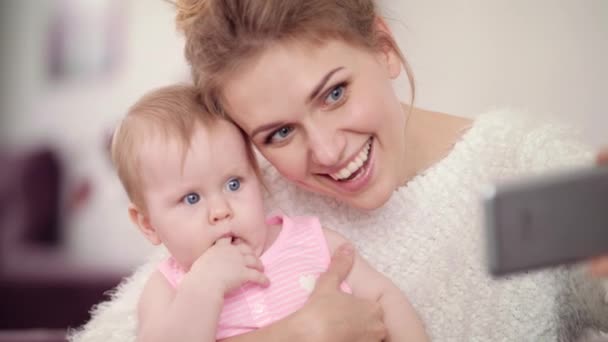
x=195, y=187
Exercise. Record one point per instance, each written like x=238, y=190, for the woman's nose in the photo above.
x=326, y=147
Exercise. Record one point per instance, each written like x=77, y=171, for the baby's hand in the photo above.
x=230, y=266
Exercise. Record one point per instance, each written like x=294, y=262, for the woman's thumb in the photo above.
x=339, y=268
x=602, y=157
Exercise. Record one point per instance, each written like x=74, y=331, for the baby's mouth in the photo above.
x=233, y=238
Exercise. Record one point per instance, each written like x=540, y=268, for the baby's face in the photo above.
x=212, y=192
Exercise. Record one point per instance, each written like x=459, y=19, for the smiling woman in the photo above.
x=312, y=86
x=341, y=107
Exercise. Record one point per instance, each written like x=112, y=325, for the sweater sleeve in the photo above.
x=582, y=300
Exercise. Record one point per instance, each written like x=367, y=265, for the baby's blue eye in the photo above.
x=233, y=185
x=335, y=95
x=191, y=198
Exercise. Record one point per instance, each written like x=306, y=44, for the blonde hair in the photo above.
x=222, y=34
x=171, y=111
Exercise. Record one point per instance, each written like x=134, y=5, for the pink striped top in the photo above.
x=293, y=263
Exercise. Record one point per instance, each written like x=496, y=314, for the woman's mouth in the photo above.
x=354, y=168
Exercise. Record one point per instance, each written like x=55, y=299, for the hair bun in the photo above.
x=187, y=12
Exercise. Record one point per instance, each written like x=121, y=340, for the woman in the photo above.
x=310, y=83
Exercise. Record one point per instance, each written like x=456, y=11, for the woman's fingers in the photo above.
x=339, y=267
x=338, y=316
x=599, y=266
x=380, y=329
x=602, y=157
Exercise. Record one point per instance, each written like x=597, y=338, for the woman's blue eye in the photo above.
x=280, y=134
x=233, y=185
x=191, y=198
x=335, y=95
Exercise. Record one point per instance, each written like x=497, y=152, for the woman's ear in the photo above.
x=389, y=55
x=142, y=222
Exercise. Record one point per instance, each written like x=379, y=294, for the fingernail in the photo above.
x=347, y=249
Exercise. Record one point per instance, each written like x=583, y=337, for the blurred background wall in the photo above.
x=547, y=56
x=70, y=69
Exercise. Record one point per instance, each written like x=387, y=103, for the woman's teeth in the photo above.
x=354, y=165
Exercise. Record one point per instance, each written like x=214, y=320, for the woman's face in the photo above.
x=326, y=116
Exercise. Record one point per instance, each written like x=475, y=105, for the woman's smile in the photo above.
x=356, y=173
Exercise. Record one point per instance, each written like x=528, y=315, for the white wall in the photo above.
x=544, y=55
x=152, y=57
x=468, y=56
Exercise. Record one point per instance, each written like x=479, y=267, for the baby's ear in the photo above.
x=143, y=224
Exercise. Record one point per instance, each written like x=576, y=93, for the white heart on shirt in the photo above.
x=307, y=282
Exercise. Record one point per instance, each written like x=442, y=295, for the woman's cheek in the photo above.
x=290, y=159
x=291, y=172
x=291, y=165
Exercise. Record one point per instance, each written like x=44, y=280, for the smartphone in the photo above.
x=547, y=220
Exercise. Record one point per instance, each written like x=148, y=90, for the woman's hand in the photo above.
x=332, y=315
x=599, y=266
x=329, y=314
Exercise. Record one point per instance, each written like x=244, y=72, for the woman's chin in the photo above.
x=370, y=201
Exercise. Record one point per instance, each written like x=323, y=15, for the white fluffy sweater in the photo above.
x=428, y=239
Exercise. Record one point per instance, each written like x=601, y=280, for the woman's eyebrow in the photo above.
x=317, y=89
x=322, y=83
